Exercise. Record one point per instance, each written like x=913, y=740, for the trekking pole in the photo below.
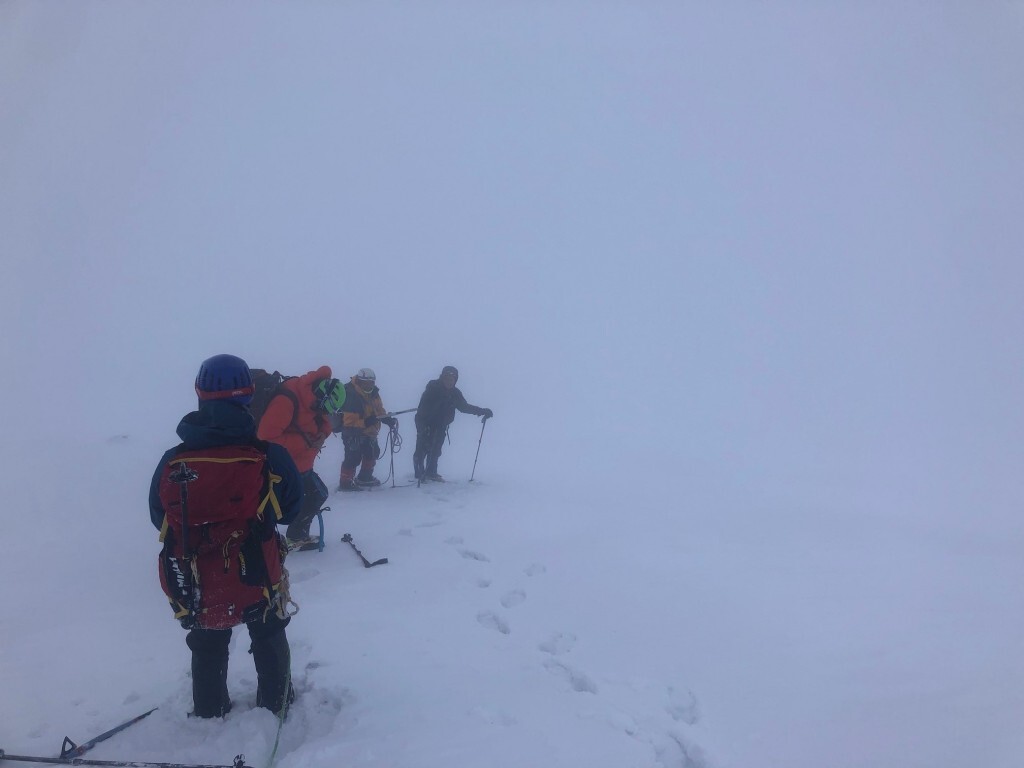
x=184, y=475
x=396, y=413
x=238, y=763
x=69, y=749
x=483, y=425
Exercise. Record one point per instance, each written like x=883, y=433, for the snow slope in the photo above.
x=486, y=639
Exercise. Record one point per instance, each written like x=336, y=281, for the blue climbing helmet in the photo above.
x=224, y=377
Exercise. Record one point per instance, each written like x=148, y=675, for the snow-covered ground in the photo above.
x=741, y=284
x=516, y=625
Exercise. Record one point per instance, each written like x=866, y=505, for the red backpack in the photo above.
x=221, y=562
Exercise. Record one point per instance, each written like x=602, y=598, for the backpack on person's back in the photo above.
x=221, y=563
x=266, y=386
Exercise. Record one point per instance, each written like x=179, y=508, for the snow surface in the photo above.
x=741, y=283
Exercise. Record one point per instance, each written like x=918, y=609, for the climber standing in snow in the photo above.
x=436, y=411
x=217, y=499
x=359, y=423
x=298, y=418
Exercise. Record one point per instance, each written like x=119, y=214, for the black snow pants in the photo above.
x=429, y=442
x=314, y=494
x=270, y=652
x=361, y=451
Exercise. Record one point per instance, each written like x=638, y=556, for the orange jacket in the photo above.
x=301, y=431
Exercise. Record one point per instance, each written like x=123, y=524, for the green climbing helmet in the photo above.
x=330, y=394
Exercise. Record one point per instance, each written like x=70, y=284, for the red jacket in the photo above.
x=303, y=430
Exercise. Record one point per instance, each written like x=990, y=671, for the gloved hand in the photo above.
x=391, y=421
x=370, y=420
x=487, y=413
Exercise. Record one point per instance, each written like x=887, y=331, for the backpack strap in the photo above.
x=272, y=479
x=271, y=497
x=163, y=524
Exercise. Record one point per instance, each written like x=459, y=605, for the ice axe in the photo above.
x=183, y=475
x=347, y=538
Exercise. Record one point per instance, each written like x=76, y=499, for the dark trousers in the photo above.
x=361, y=450
x=429, y=441
x=270, y=652
x=314, y=494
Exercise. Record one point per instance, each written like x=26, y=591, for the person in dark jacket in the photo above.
x=359, y=423
x=224, y=387
x=436, y=411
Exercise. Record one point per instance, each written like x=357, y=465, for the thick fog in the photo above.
x=680, y=227
x=737, y=261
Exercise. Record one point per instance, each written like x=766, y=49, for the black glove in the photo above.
x=391, y=421
x=370, y=420
x=486, y=413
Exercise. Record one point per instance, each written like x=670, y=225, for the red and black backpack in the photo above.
x=221, y=562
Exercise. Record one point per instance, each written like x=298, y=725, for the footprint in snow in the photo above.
x=559, y=643
x=624, y=722
x=471, y=555
x=304, y=574
x=682, y=706
x=454, y=540
x=493, y=621
x=494, y=716
x=513, y=598
x=535, y=569
x=315, y=713
x=577, y=680
x=483, y=583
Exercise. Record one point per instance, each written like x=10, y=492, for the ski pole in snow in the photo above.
x=347, y=538
x=239, y=762
x=70, y=749
x=184, y=475
x=483, y=426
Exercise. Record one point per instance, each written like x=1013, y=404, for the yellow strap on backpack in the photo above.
x=271, y=497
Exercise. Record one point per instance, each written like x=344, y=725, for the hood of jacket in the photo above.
x=364, y=392
x=217, y=422
x=302, y=386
